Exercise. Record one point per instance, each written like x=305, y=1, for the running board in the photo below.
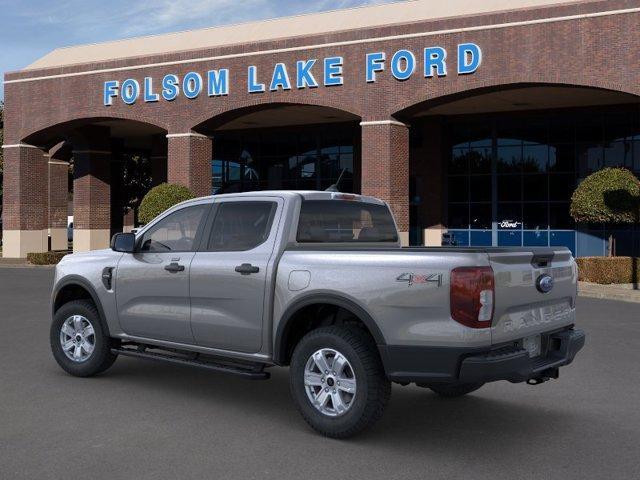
x=251, y=372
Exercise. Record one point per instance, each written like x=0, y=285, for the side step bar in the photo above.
x=248, y=371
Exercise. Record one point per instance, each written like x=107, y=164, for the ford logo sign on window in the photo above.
x=544, y=283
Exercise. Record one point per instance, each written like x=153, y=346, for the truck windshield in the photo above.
x=329, y=221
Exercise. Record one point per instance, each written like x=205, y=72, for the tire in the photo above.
x=455, y=389
x=363, y=370
x=86, y=364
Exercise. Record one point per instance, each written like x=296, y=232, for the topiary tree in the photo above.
x=160, y=198
x=611, y=195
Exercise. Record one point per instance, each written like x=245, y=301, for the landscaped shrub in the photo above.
x=610, y=195
x=160, y=198
x=607, y=270
x=45, y=258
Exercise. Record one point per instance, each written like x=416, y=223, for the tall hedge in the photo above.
x=611, y=195
x=160, y=198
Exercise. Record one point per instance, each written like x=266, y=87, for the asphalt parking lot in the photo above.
x=147, y=420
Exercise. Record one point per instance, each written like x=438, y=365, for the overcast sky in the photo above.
x=31, y=28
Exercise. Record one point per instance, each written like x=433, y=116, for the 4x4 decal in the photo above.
x=412, y=278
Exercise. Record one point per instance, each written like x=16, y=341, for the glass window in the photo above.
x=559, y=216
x=459, y=238
x=509, y=239
x=561, y=186
x=323, y=221
x=535, y=216
x=480, y=188
x=459, y=160
x=618, y=154
x=458, y=216
x=536, y=238
x=562, y=158
x=481, y=238
x=509, y=188
x=534, y=158
x=563, y=239
x=241, y=226
x=480, y=160
x=480, y=215
x=636, y=155
x=458, y=189
x=510, y=159
x=176, y=232
x=535, y=187
x=509, y=216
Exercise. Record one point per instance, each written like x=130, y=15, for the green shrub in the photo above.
x=610, y=195
x=607, y=270
x=45, y=258
x=160, y=198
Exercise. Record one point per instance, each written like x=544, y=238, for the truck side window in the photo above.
x=327, y=221
x=241, y=225
x=176, y=232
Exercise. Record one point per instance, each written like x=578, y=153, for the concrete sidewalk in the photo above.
x=626, y=292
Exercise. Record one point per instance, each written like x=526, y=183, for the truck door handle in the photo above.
x=174, y=268
x=247, y=269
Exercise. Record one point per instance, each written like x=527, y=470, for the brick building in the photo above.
x=472, y=118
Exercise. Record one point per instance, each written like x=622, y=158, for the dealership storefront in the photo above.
x=475, y=122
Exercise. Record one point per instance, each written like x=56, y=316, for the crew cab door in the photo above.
x=229, y=274
x=152, y=284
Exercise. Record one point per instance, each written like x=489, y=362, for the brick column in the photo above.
x=58, y=196
x=24, y=212
x=385, y=168
x=91, y=189
x=189, y=161
x=158, y=160
x=426, y=171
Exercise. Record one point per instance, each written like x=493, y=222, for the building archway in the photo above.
x=497, y=166
x=284, y=146
x=112, y=161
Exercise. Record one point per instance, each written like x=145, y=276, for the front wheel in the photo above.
x=337, y=381
x=79, y=342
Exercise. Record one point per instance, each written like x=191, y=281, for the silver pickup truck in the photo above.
x=316, y=281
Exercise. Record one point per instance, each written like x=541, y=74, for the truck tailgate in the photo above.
x=525, y=305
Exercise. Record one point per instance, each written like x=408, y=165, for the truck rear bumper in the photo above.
x=473, y=365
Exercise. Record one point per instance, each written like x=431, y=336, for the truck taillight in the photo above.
x=472, y=292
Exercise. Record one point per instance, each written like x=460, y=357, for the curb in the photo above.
x=608, y=292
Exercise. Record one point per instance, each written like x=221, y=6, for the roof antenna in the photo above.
x=334, y=187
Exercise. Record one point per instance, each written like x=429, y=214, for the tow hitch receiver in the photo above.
x=544, y=376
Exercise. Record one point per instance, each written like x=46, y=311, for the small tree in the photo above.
x=136, y=182
x=161, y=198
x=609, y=196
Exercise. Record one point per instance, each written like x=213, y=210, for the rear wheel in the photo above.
x=78, y=340
x=455, y=389
x=337, y=381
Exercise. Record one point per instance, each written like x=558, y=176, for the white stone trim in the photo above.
x=58, y=162
x=188, y=134
x=336, y=44
x=383, y=122
x=18, y=145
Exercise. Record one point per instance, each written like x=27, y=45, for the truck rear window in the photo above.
x=330, y=221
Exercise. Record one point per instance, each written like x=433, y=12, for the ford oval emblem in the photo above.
x=544, y=283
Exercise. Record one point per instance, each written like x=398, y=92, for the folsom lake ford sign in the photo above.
x=310, y=73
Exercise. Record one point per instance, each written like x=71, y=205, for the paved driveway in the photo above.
x=148, y=420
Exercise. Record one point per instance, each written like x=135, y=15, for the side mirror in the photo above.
x=123, y=242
